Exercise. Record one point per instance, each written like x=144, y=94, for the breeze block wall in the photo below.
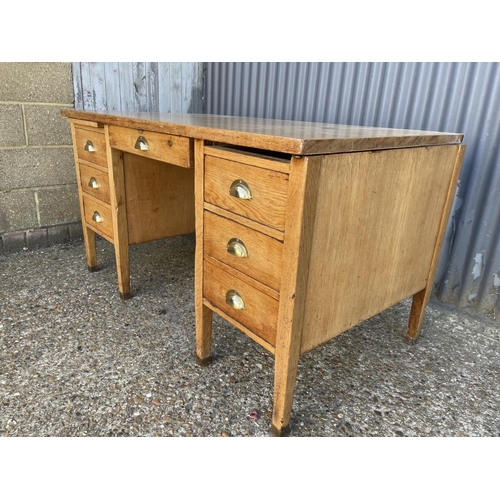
x=38, y=191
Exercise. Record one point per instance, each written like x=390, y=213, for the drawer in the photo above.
x=91, y=146
x=256, y=193
x=95, y=182
x=163, y=147
x=253, y=253
x=98, y=216
x=260, y=312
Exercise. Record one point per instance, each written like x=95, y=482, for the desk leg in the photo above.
x=203, y=315
x=90, y=248
x=421, y=298
x=203, y=334
x=120, y=224
x=417, y=313
x=301, y=212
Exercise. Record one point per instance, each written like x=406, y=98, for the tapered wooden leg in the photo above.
x=421, y=298
x=285, y=375
x=119, y=211
x=203, y=314
x=301, y=211
x=90, y=248
x=417, y=313
x=123, y=267
x=203, y=334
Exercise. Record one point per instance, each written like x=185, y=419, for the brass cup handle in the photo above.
x=240, y=189
x=141, y=144
x=237, y=248
x=93, y=183
x=96, y=217
x=235, y=300
x=89, y=147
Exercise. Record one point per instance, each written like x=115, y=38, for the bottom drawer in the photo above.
x=98, y=215
x=252, y=308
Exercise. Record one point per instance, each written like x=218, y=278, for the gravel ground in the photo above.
x=75, y=360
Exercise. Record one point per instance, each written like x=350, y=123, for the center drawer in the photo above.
x=253, y=253
x=172, y=149
x=255, y=193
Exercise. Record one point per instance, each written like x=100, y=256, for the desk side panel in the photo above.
x=377, y=221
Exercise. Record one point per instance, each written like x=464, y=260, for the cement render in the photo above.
x=75, y=360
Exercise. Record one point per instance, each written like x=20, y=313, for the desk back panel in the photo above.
x=159, y=199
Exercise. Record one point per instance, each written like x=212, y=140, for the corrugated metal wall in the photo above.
x=455, y=97
x=168, y=87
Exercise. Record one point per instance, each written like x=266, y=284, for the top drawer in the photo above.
x=91, y=145
x=253, y=192
x=163, y=147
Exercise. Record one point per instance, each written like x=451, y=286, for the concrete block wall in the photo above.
x=38, y=191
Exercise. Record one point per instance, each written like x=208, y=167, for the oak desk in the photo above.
x=303, y=230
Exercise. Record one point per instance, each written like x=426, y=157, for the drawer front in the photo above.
x=91, y=146
x=253, y=253
x=260, y=314
x=163, y=147
x=256, y=193
x=98, y=216
x=95, y=182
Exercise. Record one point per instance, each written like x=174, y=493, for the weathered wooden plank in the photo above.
x=98, y=81
x=164, y=92
x=112, y=82
x=126, y=86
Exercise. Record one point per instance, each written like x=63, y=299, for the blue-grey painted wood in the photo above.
x=176, y=87
x=450, y=97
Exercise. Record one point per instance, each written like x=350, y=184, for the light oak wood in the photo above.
x=104, y=225
x=88, y=235
x=264, y=259
x=120, y=224
x=159, y=199
x=421, y=298
x=269, y=190
x=90, y=176
x=163, y=147
x=344, y=221
x=258, y=285
x=241, y=327
x=203, y=314
x=372, y=248
x=256, y=226
x=296, y=138
x=98, y=140
x=261, y=311
x=257, y=159
x=301, y=213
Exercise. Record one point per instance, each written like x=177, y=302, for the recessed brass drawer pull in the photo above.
x=93, y=183
x=89, y=147
x=240, y=189
x=235, y=300
x=141, y=144
x=237, y=248
x=96, y=217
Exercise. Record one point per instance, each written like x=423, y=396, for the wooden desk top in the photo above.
x=293, y=137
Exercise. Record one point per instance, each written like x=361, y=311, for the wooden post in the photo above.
x=299, y=225
x=202, y=313
x=119, y=216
